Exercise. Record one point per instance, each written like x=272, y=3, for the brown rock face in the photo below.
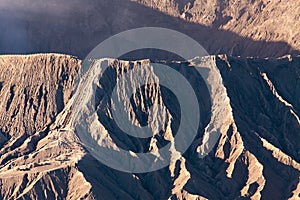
x=255, y=102
x=34, y=89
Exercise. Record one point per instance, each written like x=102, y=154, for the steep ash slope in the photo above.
x=257, y=155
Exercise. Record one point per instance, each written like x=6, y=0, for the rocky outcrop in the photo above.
x=255, y=102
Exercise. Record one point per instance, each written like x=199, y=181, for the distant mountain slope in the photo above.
x=266, y=20
x=239, y=28
x=257, y=155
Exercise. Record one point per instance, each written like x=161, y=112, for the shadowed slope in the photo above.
x=76, y=27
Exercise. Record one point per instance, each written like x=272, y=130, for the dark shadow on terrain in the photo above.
x=76, y=27
x=3, y=139
x=108, y=183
